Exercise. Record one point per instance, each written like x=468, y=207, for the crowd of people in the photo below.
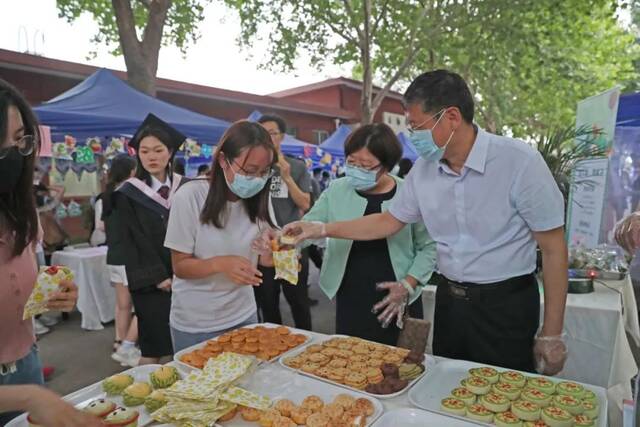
x=192, y=258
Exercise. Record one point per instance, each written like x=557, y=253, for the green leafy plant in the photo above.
x=561, y=148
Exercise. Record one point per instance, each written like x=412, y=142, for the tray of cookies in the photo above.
x=489, y=395
x=265, y=341
x=127, y=398
x=375, y=369
x=302, y=401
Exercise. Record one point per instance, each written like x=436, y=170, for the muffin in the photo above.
x=122, y=417
x=136, y=394
x=116, y=384
x=100, y=408
x=155, y=401
x=164, y=377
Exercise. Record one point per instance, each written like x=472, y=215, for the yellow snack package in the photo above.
x=48, y=282
x=287, y=266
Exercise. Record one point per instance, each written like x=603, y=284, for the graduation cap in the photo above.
x=153, y=125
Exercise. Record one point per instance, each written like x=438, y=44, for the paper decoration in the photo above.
x=61, y=151
x=319, y=152
x=204, y=396
x=45, y=142
x=61, y=211
x=85, y=155
x=47, y=282
x=74, y=209
x=95, y=144
x=207, y=151
x=308, y=151
x=308, y=163
x=70, y=142
x=191, y=149
x=326, y=159
x=115, y=147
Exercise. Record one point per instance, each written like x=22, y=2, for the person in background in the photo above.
x=290, y=198
x=137, y=229
x=211, y=229
x=125, y=352
x=352, y=271
x=405, y=166
x=179, y=167
x=20, y=367
x=488, y=201
x=203, y=170
x=48, y=198
x=326, y=179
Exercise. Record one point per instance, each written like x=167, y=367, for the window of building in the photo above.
x=319, y=136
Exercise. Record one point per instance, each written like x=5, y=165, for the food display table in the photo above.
x=96, y=298
x=597, y=326
x=277, y=381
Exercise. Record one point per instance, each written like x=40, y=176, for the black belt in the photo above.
x=470, y=291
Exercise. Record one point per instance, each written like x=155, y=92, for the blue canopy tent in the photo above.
x=290, y=145
x=408, y=152
x=334, y=145
x=105, y=106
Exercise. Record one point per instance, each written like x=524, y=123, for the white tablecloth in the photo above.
x=597, y=325
x=96, y=297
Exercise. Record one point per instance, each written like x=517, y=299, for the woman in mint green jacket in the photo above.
x=351, y=270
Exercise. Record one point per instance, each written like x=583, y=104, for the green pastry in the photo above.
x=116, y=384
x=164, y=377
x=568, y=403
x=478, y=412
x=495, y=402
x=409, y=371
x=514, y=378
x=568, y=388
x=122, y=417
x=136, y=394
x=453, y=406
x=507, y=419
x=465, y=395
x=583, y=421
x=557, y=417
x=543, y=384
x=536, y=396
x=589, y=396
x=508, y=390
x=476, y=385
x=487, y=373
x=155, y=401
x=525, y=410
x=591, y=410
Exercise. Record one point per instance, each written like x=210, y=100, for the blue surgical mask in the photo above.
x=424, y=144
x=361, y=179
x=246, y=187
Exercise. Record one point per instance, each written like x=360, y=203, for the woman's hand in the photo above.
x=262, y=245
x=64, y=299
x=239, y=270
x=47, y=409
x=303, y=230
x=165, y=285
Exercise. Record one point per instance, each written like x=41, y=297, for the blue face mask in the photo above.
x=361, y=179
x=246, y=187
x=424, y=144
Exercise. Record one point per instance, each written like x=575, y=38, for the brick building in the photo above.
x=312, y=112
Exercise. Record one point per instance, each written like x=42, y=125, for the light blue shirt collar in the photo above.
x=477, y=159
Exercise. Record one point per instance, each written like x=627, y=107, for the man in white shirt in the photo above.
x=488, y=201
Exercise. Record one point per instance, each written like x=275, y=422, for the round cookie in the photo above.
x=476, y=385
x=333, y=411
x=507, y=390
x=495, y=402
x=318, y=420
x=507, y=419
x=313, y=403
x=364, y=405
x=513, y=378
x=100, y=408
x=463, y=394
x=583, y=421
x=345, y=400
x=590, y=409
x=556, y=417
x=536, y=396
x=568, y=403
x=569, y=388
x=526, y=410
x=284, y=406
x=299, y=415
x=453, y=406
x=268, y=417
x=478, y=412
x=487, y=373
x=250, y=414
x=543, y=384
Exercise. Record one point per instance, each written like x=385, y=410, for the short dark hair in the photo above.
x=379, y=139
x=439, y=89
x=317, y=171
x=203, y=168
x=282, y=125
x=405, y=166
x=179, y=167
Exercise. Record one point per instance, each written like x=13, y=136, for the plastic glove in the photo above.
x=393, y=304
x=262, y=244
x=549, y=353
x=303, y=230
x=627, y=233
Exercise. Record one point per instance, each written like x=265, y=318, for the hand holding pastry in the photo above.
x=65, y=298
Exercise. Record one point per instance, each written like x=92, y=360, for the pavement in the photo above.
x=81, y=358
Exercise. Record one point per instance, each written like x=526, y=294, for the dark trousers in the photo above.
x=491, y=324
x=315, y=255
x=268, y=296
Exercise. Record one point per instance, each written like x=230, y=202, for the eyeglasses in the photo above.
x=370, y=168
x=25, y=146
x=250, y=175
x=413, y=129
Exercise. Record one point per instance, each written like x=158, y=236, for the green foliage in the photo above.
x=181, y=25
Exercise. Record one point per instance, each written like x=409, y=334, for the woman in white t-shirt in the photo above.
x=212, y=226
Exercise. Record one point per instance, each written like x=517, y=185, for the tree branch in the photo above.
x=146, y=3
x=381, y=15
x=412, y=52
x=152, y=36
x=352, y=16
